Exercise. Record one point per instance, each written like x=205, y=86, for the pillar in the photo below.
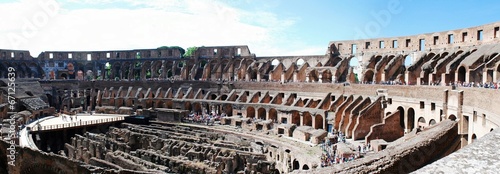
x=444, y=79
x=485, y=76
x=320, y=78
x=247, y=77
x=258, y=77
x=307, y=78
x=407, y=77
x=283, y=77
x=295, y=76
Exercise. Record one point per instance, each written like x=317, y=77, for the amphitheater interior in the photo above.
x=422, y=103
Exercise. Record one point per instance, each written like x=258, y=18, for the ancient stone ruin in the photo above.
x=384, y=105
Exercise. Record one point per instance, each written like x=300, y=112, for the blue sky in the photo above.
x=268, y=27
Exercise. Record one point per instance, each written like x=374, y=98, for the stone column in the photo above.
x=295, y=76
x=258, y=77
x=320, y=78
x=283, y=77
x=247, y=77
x=307, y=78
x=485, y=76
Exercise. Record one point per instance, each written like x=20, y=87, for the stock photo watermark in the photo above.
x=12, y=133
x=31, y=24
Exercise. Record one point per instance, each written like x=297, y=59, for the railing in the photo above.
x=76, y=124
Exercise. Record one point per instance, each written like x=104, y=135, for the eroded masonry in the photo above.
x=365, y=106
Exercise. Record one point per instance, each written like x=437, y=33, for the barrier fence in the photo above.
x=75, y=124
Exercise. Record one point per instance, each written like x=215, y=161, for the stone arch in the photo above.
x=197, y=108
x=401, y=111
x=275, y=62
x=353, y=62
x=261, y=113
x=273, y=115
x=228, y=109
x=432, y=122
x=452, y=117
x=313, y=76
x=368, y=76
x=300, y=62
x=461, y=74
x=305, y=167
x=408, y=61
x=326, y=76
x=421, y=122
x=307, y=119
x=473, y=137
x=296, y=164
x=410, y=122
x=250, y=112
x=188, y=106
x=318, y=122
x=296, y=118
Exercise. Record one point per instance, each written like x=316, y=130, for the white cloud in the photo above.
x=149, y=24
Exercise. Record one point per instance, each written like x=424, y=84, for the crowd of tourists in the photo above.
x=332, y=156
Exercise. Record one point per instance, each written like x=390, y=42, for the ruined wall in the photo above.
x=406, y=156
x=389, y=130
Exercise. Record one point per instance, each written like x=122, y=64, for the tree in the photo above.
x=190, y=51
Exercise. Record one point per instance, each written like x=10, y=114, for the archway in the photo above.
x=432, y=122
x=250, y=112
x=197, y=108
x=368, y=76
x=452, y=117
x=307, y=119
x=408, y=62
x=300, y=62
x=474, y=138
x=461, y=74
x=421, y=122
x=305, y=167
x=401, y=111
x=187, y=106
x=275, y=62
x=296, y=118
x=410, y=122
x=296, y=164
x=318, y=122
x=326, y=76
x=261, y=113
x=273, y=115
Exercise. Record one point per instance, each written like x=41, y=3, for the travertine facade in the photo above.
x=279, y=109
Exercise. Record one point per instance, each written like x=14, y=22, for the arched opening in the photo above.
x=307, y=119
x=368, y=76
x=401, y=111
x=275, y=171
x=296, y=118
x=326, y=76
x=250, y=112
x=261, y=113
x=461, y=74
x=296, y=164
x=410, y=122
x=388, y=113
x=300, y=62
x=187, y=106
x=432, y=122
x=318, y=122
x=354, y=62
x=474, y=138
x=421, y=122
x=197, y=108
x=273, y=115
x=452, y=117
x=408, y=62
x=275, y=62
x=305, y=167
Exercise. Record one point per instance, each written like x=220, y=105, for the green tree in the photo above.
x=190, y=52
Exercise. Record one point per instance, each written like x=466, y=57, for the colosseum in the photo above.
x=423, y=103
